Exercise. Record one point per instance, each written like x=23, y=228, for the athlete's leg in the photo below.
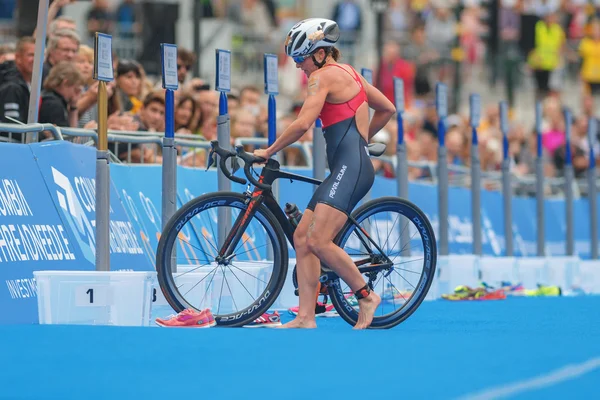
x=327, y=223
x=308, y=269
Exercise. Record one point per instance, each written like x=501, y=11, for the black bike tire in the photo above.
x=167, y=239
x=409, y=210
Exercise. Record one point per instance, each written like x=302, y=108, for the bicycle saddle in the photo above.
x=376, y=149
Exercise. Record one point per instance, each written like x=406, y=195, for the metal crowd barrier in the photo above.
x=191, y=145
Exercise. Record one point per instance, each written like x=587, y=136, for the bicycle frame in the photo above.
x=268, y=175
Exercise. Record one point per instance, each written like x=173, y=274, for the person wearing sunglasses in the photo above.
x=341, y=98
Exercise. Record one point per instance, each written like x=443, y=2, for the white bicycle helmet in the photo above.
x=309, y=35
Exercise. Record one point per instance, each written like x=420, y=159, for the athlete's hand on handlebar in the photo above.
x=262, y=153
x=249, y=160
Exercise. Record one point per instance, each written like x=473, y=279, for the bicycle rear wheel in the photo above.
x=401, y=286
x=193, y=273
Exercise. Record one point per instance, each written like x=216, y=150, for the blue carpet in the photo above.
x=445, y=350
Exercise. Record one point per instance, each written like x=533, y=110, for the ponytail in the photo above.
x=335, y=53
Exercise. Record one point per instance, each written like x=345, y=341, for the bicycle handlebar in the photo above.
x=249, y=160
x=224, y=155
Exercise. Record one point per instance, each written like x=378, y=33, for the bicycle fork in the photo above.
x=227, y=250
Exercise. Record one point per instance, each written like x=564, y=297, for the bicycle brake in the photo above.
x=211, y=159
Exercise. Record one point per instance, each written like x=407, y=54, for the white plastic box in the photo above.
x=94, y=297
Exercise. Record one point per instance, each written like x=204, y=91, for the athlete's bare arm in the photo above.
x=317, y=93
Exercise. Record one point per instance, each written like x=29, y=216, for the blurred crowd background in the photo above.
x=520, y=51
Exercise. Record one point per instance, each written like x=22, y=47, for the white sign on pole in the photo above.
x=223, y=70
x=399, y=94
x=103, y=65
x=441, y=100
x=169, y=66
x=271, y=74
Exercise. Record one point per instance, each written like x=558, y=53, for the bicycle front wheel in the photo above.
x=194, y=273
x=403, y=245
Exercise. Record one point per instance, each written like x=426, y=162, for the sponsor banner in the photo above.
x=69, y=171
x=32, y=235
x=139, y=189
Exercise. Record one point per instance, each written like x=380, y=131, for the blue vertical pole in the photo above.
x=272, y=109
x=223, y=105
x=506, y=182
x=592, y=190
x=442, y=167
x=475, y=108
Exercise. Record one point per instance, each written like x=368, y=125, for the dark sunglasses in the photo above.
x=300, y=59
x=199, y=88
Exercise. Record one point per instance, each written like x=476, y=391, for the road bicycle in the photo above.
x=244, y=235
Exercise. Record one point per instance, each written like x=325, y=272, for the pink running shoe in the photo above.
x=188, y=318
x=266, y=321
x=322, y=310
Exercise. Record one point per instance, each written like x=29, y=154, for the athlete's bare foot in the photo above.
x=300, y=323
x=367, y=306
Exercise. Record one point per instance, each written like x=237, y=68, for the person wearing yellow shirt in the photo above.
x=589, y=50
x=545, y=58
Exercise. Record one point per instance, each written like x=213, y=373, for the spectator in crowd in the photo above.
x=422, y=56
x=440, y=28
x=7, y=52
x=233, y=102
x=254, y=15
x=589, y=50
x=185, y=63
x=510, y=53
x=15, y=78
x=243, y=125
x=99, y=19
x=59, y=24
x=151, y=118
x=250, y=98
x=184, y=114
x=545, y=58
x=62, y=46
x=348, y=15
x=87, y=102
x=129, y=85
x=393, y=65
x=62, y=88
x=128, y=19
